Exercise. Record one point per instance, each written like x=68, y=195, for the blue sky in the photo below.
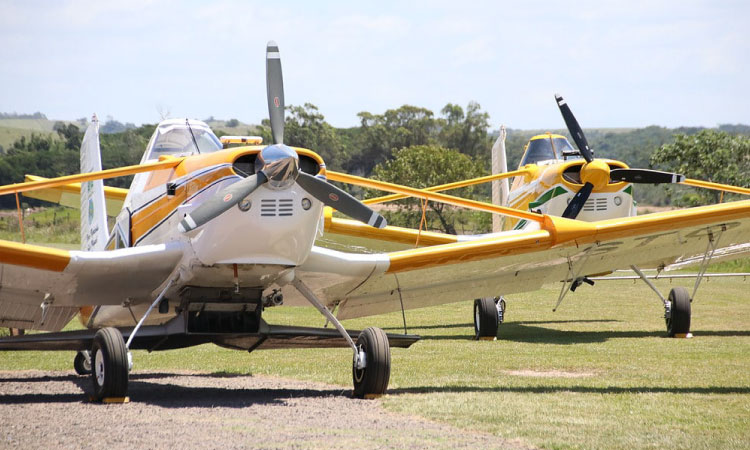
x=619, y=64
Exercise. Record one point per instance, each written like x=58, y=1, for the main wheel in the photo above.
x=82, y=362
x=678, y=321
x=110, y=359
x=485, y=318
x=372, y=380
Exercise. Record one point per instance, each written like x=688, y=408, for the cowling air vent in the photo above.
x=596, y=204
x=271, y=207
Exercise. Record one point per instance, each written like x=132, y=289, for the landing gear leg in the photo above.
x=82, y=362
x=371, y=364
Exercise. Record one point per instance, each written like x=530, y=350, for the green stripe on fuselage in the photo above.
x=547, y=196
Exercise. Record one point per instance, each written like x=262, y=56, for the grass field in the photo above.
x=598, y=373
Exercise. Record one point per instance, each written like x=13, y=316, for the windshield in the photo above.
x=542, y=150
x=176, y=139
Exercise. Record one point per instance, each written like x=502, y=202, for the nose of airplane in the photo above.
x=280, y=164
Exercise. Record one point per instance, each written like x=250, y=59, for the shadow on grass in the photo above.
x=722, y=390
x=527, y=333
x=146, y=389
x=471, y=325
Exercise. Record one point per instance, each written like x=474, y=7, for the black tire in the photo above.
x=485, y=318
x=372, y=381
x=109, y=358
x=679, y=320
x=82, y=363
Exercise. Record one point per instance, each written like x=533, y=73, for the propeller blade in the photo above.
x=645, y=176
x=576, y=204
x=221, y=202
x=340, y=200
x=275, y=92
x=575, y=130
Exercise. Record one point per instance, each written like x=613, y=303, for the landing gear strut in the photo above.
x=676, y=307
x=371, y=364
x=82, y=362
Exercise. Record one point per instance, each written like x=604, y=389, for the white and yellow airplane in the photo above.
x=554, y=179
x=207, y=238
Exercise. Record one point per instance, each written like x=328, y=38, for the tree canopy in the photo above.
x=423, y=166
x=709, y=155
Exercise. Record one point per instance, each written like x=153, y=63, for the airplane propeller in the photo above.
x=596, y=173
x=278, y=165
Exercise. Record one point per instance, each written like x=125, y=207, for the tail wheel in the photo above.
x=372, y=379
x=485, y=318
x=678, y=319
x=82, y=362
x=110, y=364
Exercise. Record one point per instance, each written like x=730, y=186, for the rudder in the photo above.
x=94, y=232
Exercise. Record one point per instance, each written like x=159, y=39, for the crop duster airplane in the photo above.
x=207, y=238
x=554, y=179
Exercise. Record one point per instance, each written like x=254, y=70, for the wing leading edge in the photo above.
x=42, y=288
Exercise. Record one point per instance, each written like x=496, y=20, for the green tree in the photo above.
x=306, y=127
x=429, y=165
x=381, y=134
x=467, y=132
x=709, y=155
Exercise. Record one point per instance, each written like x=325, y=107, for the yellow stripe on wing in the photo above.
x=389, y=233
x=35, y=256
x=716, y=186
x=558, y=231
x=82, y=177
x=449, y=186
x=421, y=193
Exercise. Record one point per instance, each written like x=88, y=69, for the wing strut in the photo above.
x=148, y=311
x=650, y=284
x=570, y=281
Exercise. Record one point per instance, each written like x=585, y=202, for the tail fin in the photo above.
x=500, y=188
x=94, y=232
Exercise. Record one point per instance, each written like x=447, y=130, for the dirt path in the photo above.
x=193, y=410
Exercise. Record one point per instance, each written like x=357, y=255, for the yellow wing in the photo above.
x=42, y=288
x=70, y=195
x=514, y=261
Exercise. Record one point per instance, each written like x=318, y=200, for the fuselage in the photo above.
x=553, y=178
x=251, y=245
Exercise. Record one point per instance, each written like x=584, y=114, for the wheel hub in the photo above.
x=99, y=367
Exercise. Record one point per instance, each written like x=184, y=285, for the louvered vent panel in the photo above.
x=271, y=207
x=596, y=204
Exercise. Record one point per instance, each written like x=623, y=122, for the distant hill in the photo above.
x=231, y=127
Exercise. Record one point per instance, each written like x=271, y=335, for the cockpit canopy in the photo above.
x=545, y=147
x=175, y=137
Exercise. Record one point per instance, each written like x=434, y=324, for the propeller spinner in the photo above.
x=278, y=166
x=596, y=174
